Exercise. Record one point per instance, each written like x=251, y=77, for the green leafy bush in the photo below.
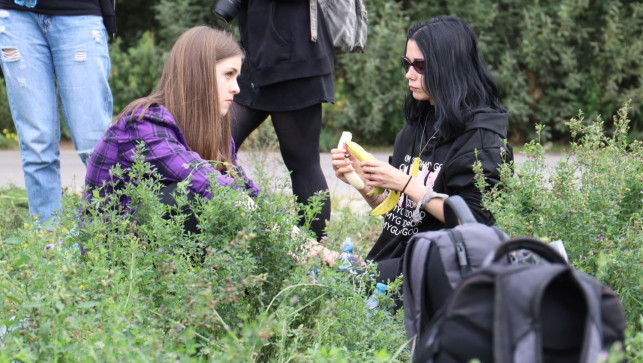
x=370, y=87
x=15, y=207
x=6, y=121
x=592, y=200
x=552, y=57
x=138, y=287
x=136, y=70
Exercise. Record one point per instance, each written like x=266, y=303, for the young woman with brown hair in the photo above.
x=184, y=126
x=184, y=123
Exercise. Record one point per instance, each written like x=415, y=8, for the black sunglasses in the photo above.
x=417, y=64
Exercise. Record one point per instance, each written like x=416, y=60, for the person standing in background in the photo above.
x=48, y=49
x=286, y=76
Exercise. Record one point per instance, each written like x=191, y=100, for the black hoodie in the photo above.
x=448, y=165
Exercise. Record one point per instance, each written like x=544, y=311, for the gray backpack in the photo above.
x=467, y=296
x=436, y=261
x=346, y=21
x=543, y=312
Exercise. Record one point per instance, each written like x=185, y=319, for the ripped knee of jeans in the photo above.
x=10, y=54
x=81, y=56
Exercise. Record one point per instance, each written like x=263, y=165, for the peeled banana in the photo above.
x=358, y=151
x=352, y=177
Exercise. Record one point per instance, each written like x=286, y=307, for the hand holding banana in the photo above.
x=393, y=179
x=347, y=167
x=373, y=171
x=351, y=175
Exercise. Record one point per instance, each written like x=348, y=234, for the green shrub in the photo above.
x=138, y=287
x=6, y=121
x=15, y=207
x=176, y=17
x=136, y=71
x=550, y=57
x=370, y=87
x=592, y=200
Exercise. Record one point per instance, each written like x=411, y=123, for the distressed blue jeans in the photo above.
x=43, y=57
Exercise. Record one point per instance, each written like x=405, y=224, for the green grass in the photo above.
x=145, y=290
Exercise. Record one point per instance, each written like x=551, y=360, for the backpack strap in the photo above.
x=414, y=265
x=542, y=249
x=593, y=334
x=313, y=20
x=456, y=211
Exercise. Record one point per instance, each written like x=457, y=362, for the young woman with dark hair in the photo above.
x=454, y=118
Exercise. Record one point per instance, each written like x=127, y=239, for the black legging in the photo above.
x=298, y=134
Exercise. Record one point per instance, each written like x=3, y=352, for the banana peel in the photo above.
x=415, y=168
x=394, y=196
x=389, y=203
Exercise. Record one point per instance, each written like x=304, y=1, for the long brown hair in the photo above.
x=188, y=89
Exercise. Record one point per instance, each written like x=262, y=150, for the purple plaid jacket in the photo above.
x=166, y=150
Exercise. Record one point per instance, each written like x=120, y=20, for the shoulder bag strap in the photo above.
x=313, y=20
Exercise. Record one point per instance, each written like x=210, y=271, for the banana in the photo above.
x=352, y=177
x=389, y=203
x=358, y=151
x=394, y=196
x=415, y=168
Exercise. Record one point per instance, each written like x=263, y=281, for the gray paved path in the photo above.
x=73, y=170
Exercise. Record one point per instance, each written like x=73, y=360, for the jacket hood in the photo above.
x=493, y=121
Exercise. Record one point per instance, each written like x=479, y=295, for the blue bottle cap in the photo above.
x=348, y=245
x=381, y=287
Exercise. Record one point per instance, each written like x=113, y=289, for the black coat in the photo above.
x=276, y=37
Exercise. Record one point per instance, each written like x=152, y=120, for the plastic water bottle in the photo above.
x=374, y=299
x=313, y=276
x=347, y=259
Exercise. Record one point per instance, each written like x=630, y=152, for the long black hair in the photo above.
x=454, y=75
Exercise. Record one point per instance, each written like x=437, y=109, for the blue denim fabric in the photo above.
x=40, y=54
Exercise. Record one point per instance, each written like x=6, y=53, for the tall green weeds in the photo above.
x=108, y=285
x=592, y=200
